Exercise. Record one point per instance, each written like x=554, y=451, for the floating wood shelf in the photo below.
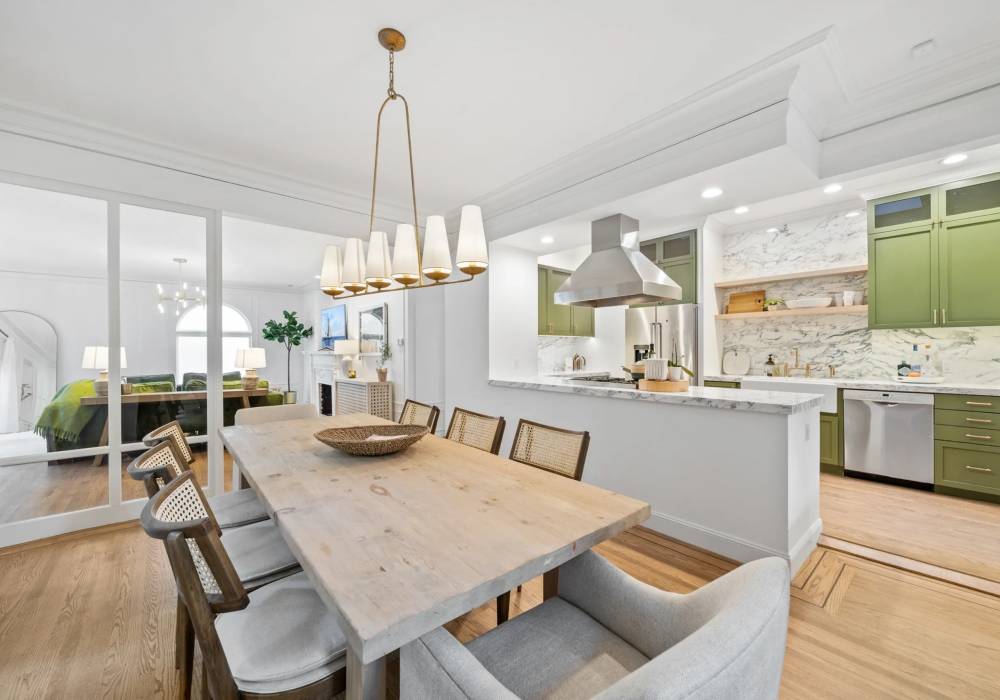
x=827, y=272
x=822, y=311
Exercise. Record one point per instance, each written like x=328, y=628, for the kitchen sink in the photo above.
x=797, y=385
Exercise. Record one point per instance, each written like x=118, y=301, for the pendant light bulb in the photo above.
x=471, y=256
x=354, y=266
x=379, y=268
x=405, y=264
x=437, y=257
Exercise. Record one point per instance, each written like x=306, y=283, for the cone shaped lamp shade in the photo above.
x=405, y=266
x=353, y=279
x=471, y=255
x=330, y=278
x=437, y=257
x=379, y=267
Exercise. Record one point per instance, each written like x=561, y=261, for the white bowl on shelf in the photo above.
x=808, y=302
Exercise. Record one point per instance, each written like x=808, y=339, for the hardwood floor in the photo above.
x=32, y=490
x=93, y=615
x=954, y=533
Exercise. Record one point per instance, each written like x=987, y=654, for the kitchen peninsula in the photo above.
x=733, y=471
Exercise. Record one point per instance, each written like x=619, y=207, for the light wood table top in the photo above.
x=399, y=545
x=172, y=396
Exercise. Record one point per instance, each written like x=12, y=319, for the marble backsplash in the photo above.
x=968, y=355
x=554, y=349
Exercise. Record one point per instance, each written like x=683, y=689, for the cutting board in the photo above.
x=745, y=302
x=654, y=385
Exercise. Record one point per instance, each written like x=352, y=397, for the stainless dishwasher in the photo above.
x=889, y=434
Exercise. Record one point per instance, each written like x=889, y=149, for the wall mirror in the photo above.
x=28, y=369
x=373, y=328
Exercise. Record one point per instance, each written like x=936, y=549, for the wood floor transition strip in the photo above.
x=912, y=565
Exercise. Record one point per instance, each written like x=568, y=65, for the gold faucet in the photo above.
x=796, y=351
x=808, y=370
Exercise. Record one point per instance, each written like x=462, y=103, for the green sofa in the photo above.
x=68, y=424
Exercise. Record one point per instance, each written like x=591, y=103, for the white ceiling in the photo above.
x=773, y=185
x=497, y=90
x=54, y=233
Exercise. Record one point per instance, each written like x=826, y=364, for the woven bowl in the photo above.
x=372, y=440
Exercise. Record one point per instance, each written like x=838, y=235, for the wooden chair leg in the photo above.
x=519, y=588
x=503, y=607
x=205, y=695
x=184, y=654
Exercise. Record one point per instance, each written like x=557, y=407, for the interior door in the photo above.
x=969, y=265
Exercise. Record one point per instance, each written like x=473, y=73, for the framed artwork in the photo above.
x=333, y=326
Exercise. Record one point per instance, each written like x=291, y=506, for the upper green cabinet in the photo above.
x=677, y=256
x=560, y=319
x=902, y=274
x=933, y=256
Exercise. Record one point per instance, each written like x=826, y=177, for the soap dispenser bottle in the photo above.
x=769, y=366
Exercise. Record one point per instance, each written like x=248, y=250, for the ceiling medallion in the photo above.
x=352, y=271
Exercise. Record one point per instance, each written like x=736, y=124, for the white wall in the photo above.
x=77, y=309
x=513, y=334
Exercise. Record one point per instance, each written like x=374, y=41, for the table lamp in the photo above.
x=251, y=359
x=96, y=357
x=346, y=349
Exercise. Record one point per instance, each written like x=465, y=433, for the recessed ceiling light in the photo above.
x=954, y=158
x=741, y=210
x=316, y=277
x=773, y=229
x=548, y=239
x=852, y=214
x=711, y=192
x=833, y=188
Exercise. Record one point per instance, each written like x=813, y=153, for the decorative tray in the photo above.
x=372, y=440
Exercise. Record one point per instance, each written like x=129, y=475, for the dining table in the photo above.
x=400, y=544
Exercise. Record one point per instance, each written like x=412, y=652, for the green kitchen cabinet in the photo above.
x=933, y=256
x=560, y=319
x=969, y=271
x=903, y=278
x=829, y=441
x=677, y=256
x=967, y=467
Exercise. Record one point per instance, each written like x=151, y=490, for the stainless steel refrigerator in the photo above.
x=666, y=330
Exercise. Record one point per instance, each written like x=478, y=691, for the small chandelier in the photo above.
x=182, y=295
x=352, y=271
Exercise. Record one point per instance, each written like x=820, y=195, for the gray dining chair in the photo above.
x=608, y=635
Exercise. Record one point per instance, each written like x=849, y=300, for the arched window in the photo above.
x=192, y=339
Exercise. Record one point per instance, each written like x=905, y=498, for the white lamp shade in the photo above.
x=437, y=257
x=379, y=268
x=330, y=277
x=405, y=266
x=353, y=275
x=471, y=254
x=346, y=347
x=96, y=357
x=251, y=358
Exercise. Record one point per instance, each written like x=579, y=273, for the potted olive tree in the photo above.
x=289, y=333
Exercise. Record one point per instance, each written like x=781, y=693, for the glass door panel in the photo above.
x=53, y=321
x=164, y=332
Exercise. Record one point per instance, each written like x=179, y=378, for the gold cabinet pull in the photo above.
x=978, y=437
x=935, y=317
x=988, y=404
x=944, y=316
x=988, y=421
x=978, y=469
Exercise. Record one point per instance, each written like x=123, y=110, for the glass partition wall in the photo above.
x=83, y=272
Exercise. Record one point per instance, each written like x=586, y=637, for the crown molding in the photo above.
x=62, y=130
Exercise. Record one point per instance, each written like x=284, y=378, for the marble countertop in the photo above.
x=704, y=397
x=944, y=387
x=579, y=373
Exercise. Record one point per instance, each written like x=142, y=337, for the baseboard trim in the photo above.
x=730, y=546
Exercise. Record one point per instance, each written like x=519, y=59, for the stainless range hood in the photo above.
x=616, y=273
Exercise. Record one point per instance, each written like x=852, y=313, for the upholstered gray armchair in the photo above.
x=608, y=635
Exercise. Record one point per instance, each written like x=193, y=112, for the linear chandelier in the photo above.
x=352, y=271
